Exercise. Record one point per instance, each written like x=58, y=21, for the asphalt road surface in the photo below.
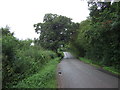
x=73, y=73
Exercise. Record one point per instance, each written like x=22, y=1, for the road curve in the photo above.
x=73, y=73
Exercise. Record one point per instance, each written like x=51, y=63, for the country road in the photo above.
x=73, y=73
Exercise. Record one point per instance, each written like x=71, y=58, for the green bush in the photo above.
x=9, y=43
x=98, y=37
x=20, y=59
x=60, y=53
x=45, y=78
x=30, y=61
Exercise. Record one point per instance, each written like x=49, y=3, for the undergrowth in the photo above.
x=96, y=64
x=45, y=78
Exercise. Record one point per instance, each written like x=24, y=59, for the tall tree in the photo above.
x=104, y=32
x=56, y=30
x=9, y=43
x=99, y=36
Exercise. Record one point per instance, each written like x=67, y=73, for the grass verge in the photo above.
x=110, y=69
x=45, y=78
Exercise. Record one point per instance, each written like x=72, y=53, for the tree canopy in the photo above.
x=98, y=37
x=56, y=30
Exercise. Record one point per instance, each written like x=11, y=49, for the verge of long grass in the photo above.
x=110, y=69
x=45, y=78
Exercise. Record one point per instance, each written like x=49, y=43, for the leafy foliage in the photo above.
x=20, y=59
x=8, y=54
x=98, y=37
x=56, y=30
x=42, y=79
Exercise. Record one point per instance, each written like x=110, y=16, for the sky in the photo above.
x=21, y=15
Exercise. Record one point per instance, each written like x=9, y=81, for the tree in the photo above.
x=105, y=32
x=99, y=35
x=56, y=30
x=9, y=43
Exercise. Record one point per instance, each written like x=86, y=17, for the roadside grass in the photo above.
x=110, y=69
x=89, y=62
x=45, y=78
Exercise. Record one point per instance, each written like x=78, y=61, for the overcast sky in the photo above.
x=21, y=15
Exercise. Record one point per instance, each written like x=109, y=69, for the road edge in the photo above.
x=100, y=68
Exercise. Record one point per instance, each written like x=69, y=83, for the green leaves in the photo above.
x=56, y=30
x=99, y=36
x=43, y=78
x=8, y=54
x=21, y=60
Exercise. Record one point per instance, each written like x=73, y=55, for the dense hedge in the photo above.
x=98, y=37
x=21, y=60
